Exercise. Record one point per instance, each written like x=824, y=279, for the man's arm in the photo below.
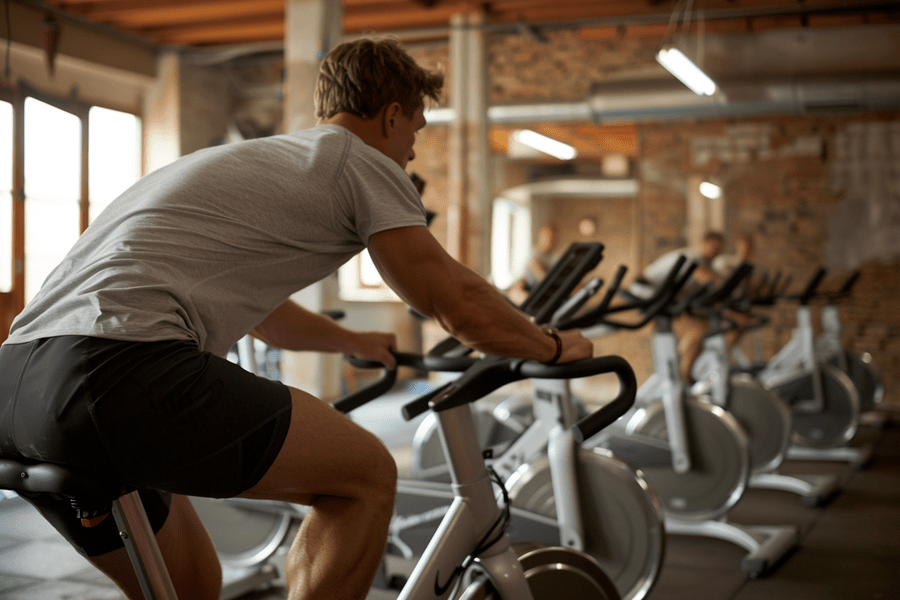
x=421, y=272
x=292, y=327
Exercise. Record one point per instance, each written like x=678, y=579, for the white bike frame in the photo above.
x=472, y=518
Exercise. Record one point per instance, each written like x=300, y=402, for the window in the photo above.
x=360, y=281
x=510, y=242
x=6, y=224
x=115, y=156
x=52, y=189
x=74, y=160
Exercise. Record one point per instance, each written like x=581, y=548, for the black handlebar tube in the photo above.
x=571, y=306
x=493, y=373
x=844, y=290
x=591, y=424
x=381, y=386
x=807, y=294
x=481, y=377
x=650, y=306
x=667, y=304
x=727, y=287
x=389, y=376
x=848, y=285
x=613, y=288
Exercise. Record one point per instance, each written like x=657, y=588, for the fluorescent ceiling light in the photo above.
x=545, y=144
x=710, y=190
x=690, y=74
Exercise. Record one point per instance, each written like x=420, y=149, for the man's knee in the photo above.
x=379, y=470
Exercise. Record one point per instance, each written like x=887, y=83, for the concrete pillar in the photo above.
x=312, y=27
x=162, y=115
x=470, y=190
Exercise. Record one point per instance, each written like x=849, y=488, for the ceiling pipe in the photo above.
x=667, y=100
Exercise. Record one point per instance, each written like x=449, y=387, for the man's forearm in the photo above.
x=484, y=320
x=292, y=327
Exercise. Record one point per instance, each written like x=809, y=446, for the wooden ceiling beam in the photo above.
x=170, y=21
x=220, y=32
x=147, y=13
x=358, y=21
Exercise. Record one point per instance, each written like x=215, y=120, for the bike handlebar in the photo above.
x=726, y=288
x=650, y=306
x=483, y=376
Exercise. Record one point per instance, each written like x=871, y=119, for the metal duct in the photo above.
x=665, y=100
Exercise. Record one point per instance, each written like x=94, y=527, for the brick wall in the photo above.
x=776, y=174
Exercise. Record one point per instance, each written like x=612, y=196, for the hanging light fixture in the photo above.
x=676, y=61
x=686, y=71
x=545, y=144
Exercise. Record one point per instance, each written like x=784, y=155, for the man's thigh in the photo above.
x=325, y=453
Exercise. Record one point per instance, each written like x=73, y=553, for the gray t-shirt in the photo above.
x=206, y=247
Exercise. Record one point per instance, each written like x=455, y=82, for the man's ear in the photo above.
x=389, y=118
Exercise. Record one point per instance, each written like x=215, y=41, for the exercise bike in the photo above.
x=859, y=366
x=824, y=402
x=764, y=416
x=594, y=501
x=694, y=454
x=697, y=496
x=554, y=570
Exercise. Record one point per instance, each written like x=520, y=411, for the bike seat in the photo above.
x=91, y=496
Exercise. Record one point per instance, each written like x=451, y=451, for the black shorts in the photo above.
x=163, y=417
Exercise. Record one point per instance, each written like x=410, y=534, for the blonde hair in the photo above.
x=363, y=76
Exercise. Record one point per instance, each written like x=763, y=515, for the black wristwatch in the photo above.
x=554, y=333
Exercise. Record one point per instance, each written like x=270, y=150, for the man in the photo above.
x=116, y=365
x=689, y=329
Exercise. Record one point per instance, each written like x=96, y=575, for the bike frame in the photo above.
x=472, y=517
x=665, y=384
x=551, y=432
x=797, y=358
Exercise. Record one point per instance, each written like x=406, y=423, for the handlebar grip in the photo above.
x=381, y=386
x=613, y=288
x=448, y=364
x=361, y=363
x=530, y=369
x=588, y=426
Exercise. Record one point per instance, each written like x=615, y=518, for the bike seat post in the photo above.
x=143, y=550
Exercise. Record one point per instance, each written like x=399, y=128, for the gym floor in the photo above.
x=848, y=550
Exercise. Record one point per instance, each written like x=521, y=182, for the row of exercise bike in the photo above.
x=674, y=463
x=541, y=497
